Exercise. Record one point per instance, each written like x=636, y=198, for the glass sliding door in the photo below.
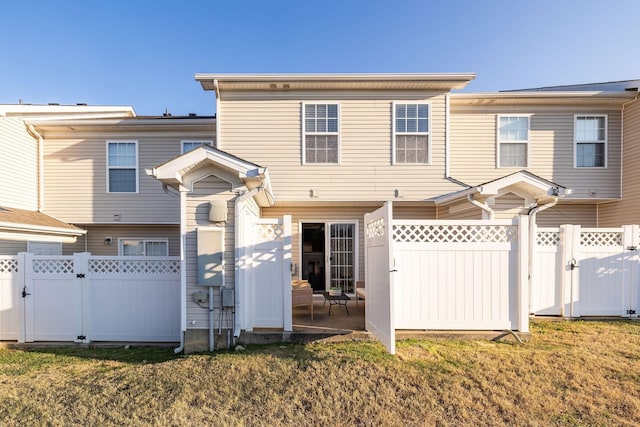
x=342, y=256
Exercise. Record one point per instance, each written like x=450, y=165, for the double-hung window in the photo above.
x=321, y=136
x=122, y=165
x=143, y=247
x=590, y=133
x=190, y=145
x=410, y=133
x=513, y=141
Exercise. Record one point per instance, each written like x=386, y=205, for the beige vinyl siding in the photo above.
x=76, y=178
x=570, y=213
x=96, y=234
x=508, y=206
x=12, y=247
x=551, y=147
x=18, y=165
x=266, y=129
x=459, y=210
x=197, y=211
x=627, y=210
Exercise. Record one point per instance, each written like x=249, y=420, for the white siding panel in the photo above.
x=626, y=211
x=267, y=130
x=18, y=165
x=473, y=148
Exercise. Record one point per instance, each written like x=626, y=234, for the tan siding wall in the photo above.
x=96, y=234
x=461, y=210
x=18, y=165
x=627, y=211
x=473, y=147
x=584, y=215
x=267, y=130
x=508, y=206
x=12, y=247
x=204, y=191
x=76, y=178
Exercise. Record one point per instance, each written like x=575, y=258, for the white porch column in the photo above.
x=523, y=273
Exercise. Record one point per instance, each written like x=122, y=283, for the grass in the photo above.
x=570, y=373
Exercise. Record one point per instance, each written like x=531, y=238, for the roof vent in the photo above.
x=193, y=115
x=81, y=104
x=54, y=103
x=166, y=113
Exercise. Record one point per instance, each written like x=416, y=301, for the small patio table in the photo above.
x=336, y=300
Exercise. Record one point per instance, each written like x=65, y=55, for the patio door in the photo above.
x=342, y=256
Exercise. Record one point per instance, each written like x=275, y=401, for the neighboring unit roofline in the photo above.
x=45, y=112
x=533, y=97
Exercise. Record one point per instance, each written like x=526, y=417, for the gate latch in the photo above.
x=24, y=292
x=631, y=312
x=632, y=248
x=80, y=275
x=573, y=264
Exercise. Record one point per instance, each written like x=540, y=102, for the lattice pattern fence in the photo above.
x=548, y=238
x=601, y=238
x=268, y=232
x=8, y=265
x=448, y=233
x=375, y=228
x=135, y=266
x=53, y=266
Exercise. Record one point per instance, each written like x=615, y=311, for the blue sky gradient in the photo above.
x=144, y=53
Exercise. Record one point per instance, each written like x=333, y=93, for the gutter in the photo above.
x=481, y=205
x=34, y=133
x=446, y=135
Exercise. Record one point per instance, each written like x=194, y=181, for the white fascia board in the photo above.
x=41, y=229
x=17, y=236
x=62, y=112
x=334, y=77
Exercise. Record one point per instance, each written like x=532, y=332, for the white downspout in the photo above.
x=240, y=258
x=34, y=133
x=216, y=89
x=183, y=270
x=532, y=242
x=446, y=136
x=482, y=206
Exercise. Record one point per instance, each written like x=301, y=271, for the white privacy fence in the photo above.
x=457, y=274
x=586, y=271
x=89, y=298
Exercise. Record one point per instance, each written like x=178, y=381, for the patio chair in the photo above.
x=361, y=293
x=302, y=294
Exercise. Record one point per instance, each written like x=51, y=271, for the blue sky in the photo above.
x=145, y=53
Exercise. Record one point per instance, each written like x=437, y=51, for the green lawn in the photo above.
x=570, y=373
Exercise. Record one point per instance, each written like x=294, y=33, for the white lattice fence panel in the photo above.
x=548, y=238
x=53, y=266
x=98, y=265
x=375, y=228
x=454, y=233
x=267, y=232
x=600, y=238
x=8, y=265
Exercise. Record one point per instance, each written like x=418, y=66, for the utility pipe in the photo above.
x=482, y=206
x=183, y=270
x=532, y=241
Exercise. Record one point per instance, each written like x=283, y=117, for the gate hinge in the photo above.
x=631, y=312
x=632, y=248
x=80, y=275
x=24, y=292
x=82, y=337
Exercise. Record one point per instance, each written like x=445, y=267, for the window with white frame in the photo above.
x=122, y=164
x=143, y=247
x=590, y=133
x=411, y=133
x=321, y=133
x=190, y=145
x=513, y=141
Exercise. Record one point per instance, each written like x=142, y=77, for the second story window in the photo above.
x=513, y=141
x=122, y=165
x=190, y=145
x=411, y=133
x=321, y=133
x=590, y=133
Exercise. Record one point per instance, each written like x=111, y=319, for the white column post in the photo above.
x=523, y=273
x=286, y=273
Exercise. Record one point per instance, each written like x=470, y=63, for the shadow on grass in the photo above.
x=131, y=354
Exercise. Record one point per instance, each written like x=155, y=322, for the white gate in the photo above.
x=460, y=275
x=586, y=271
x=379, y=309
x=270, y=274
x=10, y=299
